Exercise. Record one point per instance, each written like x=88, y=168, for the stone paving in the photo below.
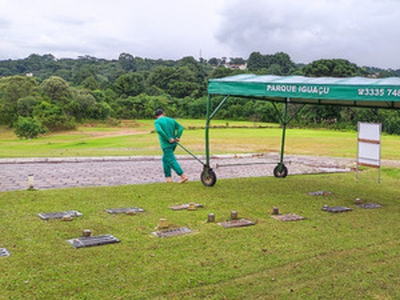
x=50, y=173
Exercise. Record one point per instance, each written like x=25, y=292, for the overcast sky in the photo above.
x=366, y=32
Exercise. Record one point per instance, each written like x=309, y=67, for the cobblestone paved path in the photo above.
x=50, y=173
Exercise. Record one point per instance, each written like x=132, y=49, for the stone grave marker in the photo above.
x=369, y=205
x=320, y=193
x=124, y=210
x=59, y=215
x=236, y=223
x=184, y=206
x=93, y=241
x=288, y=217
x=172, y=232
x=336, y=209
x=4, y=252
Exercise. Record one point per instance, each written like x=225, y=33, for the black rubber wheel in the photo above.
x=283, y=173
x=208, y=178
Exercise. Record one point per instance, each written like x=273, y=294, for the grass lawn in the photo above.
x=130, y=141
x=353, y=255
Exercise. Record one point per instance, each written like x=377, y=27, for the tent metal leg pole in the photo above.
x=284, y=123
x=218, y=107
x=209, y=116
x=207, y=129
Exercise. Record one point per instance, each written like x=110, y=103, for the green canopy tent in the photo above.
x=352, y=92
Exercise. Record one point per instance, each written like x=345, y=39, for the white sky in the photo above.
x=366, y=32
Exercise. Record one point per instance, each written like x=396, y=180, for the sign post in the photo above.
x=369, y=146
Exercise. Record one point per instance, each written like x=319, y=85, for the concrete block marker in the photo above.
x=275, y=211
x=67, y=218
x=288, y=217
x=124, y=210
x=59, y=215
x=211, y=218
x=234, y=215
x=91, y=241
x=337, y=209
x=236, y=223
x=185, y=206
x=369, y=205
x=163, y=224
x=4, y=252
x=172, y=232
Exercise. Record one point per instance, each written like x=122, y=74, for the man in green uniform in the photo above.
x=169, y=132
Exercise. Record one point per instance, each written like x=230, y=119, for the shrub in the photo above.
x=28, y=128
x=53, y=117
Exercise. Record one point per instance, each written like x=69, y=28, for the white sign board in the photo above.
x=369, y=131
x=369, y=144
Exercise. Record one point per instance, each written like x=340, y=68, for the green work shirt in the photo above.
x=167, y=128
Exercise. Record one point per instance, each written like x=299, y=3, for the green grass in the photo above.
x=99, y=141
x=352, y=255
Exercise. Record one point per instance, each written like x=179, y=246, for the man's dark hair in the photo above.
x=159, y=112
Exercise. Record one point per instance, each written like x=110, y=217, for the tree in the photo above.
x=160, y=77
x=275, y=69
x=194, y=66
x=28, y=128
x=53, y=117
x=387, y=73
x=16, y=87
x=237, y=61
x=84, y=72
x=183, y=89
x=321, y=114
x=26, y=105
x=127, y=62
x=220, y=72
x=258, y=61
x=12, y=89
x=56, y=90
x=214, y=61
x=332, y=67
x=90, y=83
x=131, y=84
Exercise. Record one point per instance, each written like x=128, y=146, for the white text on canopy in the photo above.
x=305, y=89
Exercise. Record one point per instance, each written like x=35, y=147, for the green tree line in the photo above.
x=43, y=93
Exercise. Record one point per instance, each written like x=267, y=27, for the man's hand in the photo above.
x=177, y=139
x=171, y=140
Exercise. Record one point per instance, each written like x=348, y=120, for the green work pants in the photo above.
x=170, y=162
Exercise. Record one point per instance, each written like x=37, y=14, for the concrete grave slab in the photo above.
x=123, y=210
x=236, y=223
x=4, y=252
x=288, y=217
x=184, y=206
x=172, y=232
x=336, y=209
x=369, y=205
x=59, y=215
x=93, y=241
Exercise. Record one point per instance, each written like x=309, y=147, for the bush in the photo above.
x=53, y=117
x=28, y=128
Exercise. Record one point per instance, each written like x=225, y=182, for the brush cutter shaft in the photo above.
x=190, y=153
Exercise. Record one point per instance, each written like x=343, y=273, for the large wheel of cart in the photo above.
x=280, y=171
x=208, y=177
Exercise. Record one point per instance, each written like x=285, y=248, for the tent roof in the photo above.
x=352, y=91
